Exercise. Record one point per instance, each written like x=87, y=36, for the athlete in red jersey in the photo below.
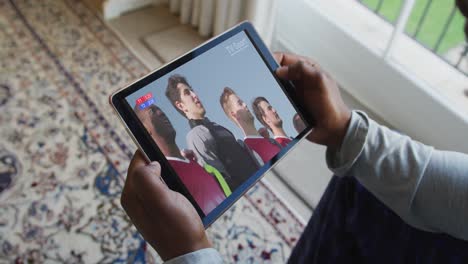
x=268, y=116
x=204, y=187
x=262, y=146
x=239, y=113
x=283, y=141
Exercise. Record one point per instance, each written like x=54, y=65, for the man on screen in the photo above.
x=205, y=189
x=213, y=144
x=268, y=117
x=264, y=132
x=238, y=112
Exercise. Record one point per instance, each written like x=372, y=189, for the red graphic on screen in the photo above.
x=145, y=101
x=144, y=98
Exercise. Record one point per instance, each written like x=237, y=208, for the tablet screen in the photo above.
x=218, y=119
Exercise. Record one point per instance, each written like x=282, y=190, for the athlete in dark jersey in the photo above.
x=212, y=144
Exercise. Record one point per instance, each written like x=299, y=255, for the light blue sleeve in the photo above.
x=427, y=188
x=202, y=256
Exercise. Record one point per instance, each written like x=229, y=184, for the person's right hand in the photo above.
x=320, y=97
x=166, y=219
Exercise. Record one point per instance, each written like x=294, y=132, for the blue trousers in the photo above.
x=350, y=225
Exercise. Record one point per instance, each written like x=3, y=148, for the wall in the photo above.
x=114, y=8
x=387, y=89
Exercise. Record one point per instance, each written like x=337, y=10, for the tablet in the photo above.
x=217, y=118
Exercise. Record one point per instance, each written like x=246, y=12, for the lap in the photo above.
x=350, y=225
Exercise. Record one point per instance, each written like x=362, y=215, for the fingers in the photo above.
x=297, y=71
x=138, y=213
x=137, y=161
x=127, y=192
x=133, y=208
x=128, y=199
x=295, y=67
x=278, y=57
x=144, y=182
x=285, y=59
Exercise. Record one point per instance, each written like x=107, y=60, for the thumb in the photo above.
x=314, y=136
x=138, y=160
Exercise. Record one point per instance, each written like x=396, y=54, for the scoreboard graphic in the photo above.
x=145, y=101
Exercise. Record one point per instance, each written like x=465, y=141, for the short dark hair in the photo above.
x=140, y=114
x=223, y=100
x=172, y=93
x=258, y=111
x=138, y=111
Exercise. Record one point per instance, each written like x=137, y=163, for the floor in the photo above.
x=157, y=37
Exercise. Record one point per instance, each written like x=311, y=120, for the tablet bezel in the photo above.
x=146, y=144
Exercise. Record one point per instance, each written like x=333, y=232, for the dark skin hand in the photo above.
x=320, y=96
x=167, y=220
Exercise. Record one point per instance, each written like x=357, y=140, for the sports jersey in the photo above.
x=215, y=145
x=201, y=185
x=262, y=146
x=284, y=141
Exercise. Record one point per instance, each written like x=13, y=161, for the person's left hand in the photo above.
x=166, y=219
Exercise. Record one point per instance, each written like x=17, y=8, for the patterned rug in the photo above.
x=64, y=154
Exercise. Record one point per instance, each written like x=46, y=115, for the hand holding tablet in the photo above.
x=165, y=218
x=195, y=235
x=179, y=107
x=211, y=103
x=319, y=94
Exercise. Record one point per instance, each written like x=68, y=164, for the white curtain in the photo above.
x=212, y=17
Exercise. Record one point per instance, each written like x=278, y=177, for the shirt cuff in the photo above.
x=205, y=256
x=339, y=162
